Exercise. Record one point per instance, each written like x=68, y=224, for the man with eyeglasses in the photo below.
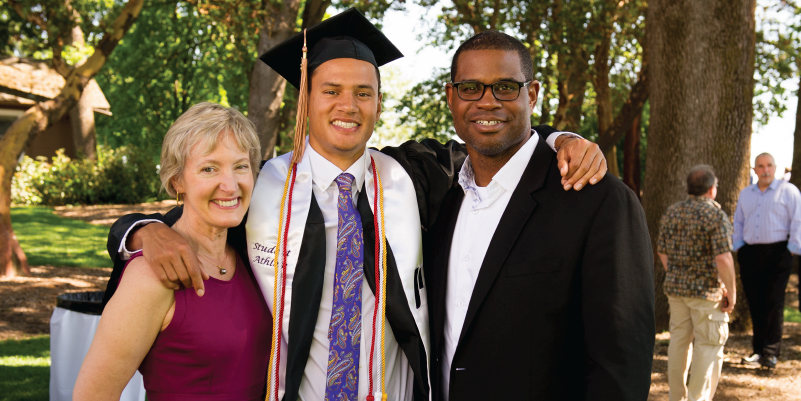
x=534, y=293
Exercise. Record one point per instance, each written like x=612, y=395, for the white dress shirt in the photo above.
x=399, y=377
x=478, y=218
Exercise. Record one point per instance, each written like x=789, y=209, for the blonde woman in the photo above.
x=214, y=347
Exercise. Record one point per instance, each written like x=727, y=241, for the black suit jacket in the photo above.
x=563, y=306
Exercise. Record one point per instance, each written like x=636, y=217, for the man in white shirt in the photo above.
x=344, y=105
x=534, y=293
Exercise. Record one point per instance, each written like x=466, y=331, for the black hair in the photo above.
x=700, y=179
x=377, y=74
x=495, y=40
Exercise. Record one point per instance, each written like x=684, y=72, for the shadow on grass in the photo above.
x=24, y=383
x=38, y=347
x=25, y=369
x=48, y=239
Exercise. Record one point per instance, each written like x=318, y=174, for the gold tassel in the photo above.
x=303, y=108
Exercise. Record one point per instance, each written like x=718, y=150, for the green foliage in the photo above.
x=778, y=57
x=25, y=369
x=22, y=35
x=124, y=175
x=57, y=241
x=425, y=109
x=177, y=54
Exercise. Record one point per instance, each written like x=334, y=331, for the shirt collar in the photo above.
x=705, y=199
x=773, y=185
x=507, y=177
x=324, y=173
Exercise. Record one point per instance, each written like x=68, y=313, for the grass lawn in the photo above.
x=25, y=369
x=792, y=315
x=48, y=239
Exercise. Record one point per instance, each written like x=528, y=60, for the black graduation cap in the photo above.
x=346, y=35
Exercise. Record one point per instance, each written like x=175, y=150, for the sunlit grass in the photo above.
x=792, y=315
x=25, y=369
x=48, y=239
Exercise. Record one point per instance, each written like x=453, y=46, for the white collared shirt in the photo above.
x=399, y=377
x=478, y=218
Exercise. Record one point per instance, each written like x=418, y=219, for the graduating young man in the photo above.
x=334, y=232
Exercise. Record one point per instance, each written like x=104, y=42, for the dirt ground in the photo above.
x=26, y=304
x=739, y=382
x=106, y=214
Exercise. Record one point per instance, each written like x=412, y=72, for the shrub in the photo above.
x=123, y=175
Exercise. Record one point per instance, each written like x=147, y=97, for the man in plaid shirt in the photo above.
x=695, y=248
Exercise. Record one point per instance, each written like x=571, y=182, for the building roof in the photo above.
x=30, y=81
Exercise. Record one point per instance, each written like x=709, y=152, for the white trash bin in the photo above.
x=72, y=328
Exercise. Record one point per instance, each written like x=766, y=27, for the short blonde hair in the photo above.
x=205, y=122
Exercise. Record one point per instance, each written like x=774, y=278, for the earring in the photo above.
x=179, y=197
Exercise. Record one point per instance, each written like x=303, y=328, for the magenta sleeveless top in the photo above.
x=217, y=347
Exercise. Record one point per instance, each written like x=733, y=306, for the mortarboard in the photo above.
x=345, y=35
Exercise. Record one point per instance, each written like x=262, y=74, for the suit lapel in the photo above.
x=368, y=235
x=399, y=314
x=514, y=218
x=439, y=266
x=307, y=291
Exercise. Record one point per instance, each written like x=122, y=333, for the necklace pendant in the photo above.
x=223, y=271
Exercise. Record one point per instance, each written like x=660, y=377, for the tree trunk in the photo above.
x=701, y=56
x=82, y=119
x=795, y=175
x=18, y=265
x=572, y=86
x=631, y=158
x=545, y=108
x=266, y=85
x=44, y=114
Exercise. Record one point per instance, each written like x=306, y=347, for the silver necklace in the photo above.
x=215, y=263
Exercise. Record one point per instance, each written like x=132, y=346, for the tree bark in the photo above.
x=82, y=119
x=631, y=158
x=795, y=176
x=44, y=114
x=571, y=86
x=701, y=56
x=603, y=96
x=266, y=85
x=19, y=262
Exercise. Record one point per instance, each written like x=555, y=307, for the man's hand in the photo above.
x=170, y=256
x=728, y=301
x=580, y=161
x=726, y=274
x=664, y=258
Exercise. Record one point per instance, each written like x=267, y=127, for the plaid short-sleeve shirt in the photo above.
x=692, y=233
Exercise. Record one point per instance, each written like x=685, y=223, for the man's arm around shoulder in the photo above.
x=165, y=250
x=618, y=299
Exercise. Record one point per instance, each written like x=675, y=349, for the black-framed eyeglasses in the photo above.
x=502, y=90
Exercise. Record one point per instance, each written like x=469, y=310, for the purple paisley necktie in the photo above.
x=345, y=330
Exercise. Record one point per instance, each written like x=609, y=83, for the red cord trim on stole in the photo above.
x=283, y=282
x=377, y=273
